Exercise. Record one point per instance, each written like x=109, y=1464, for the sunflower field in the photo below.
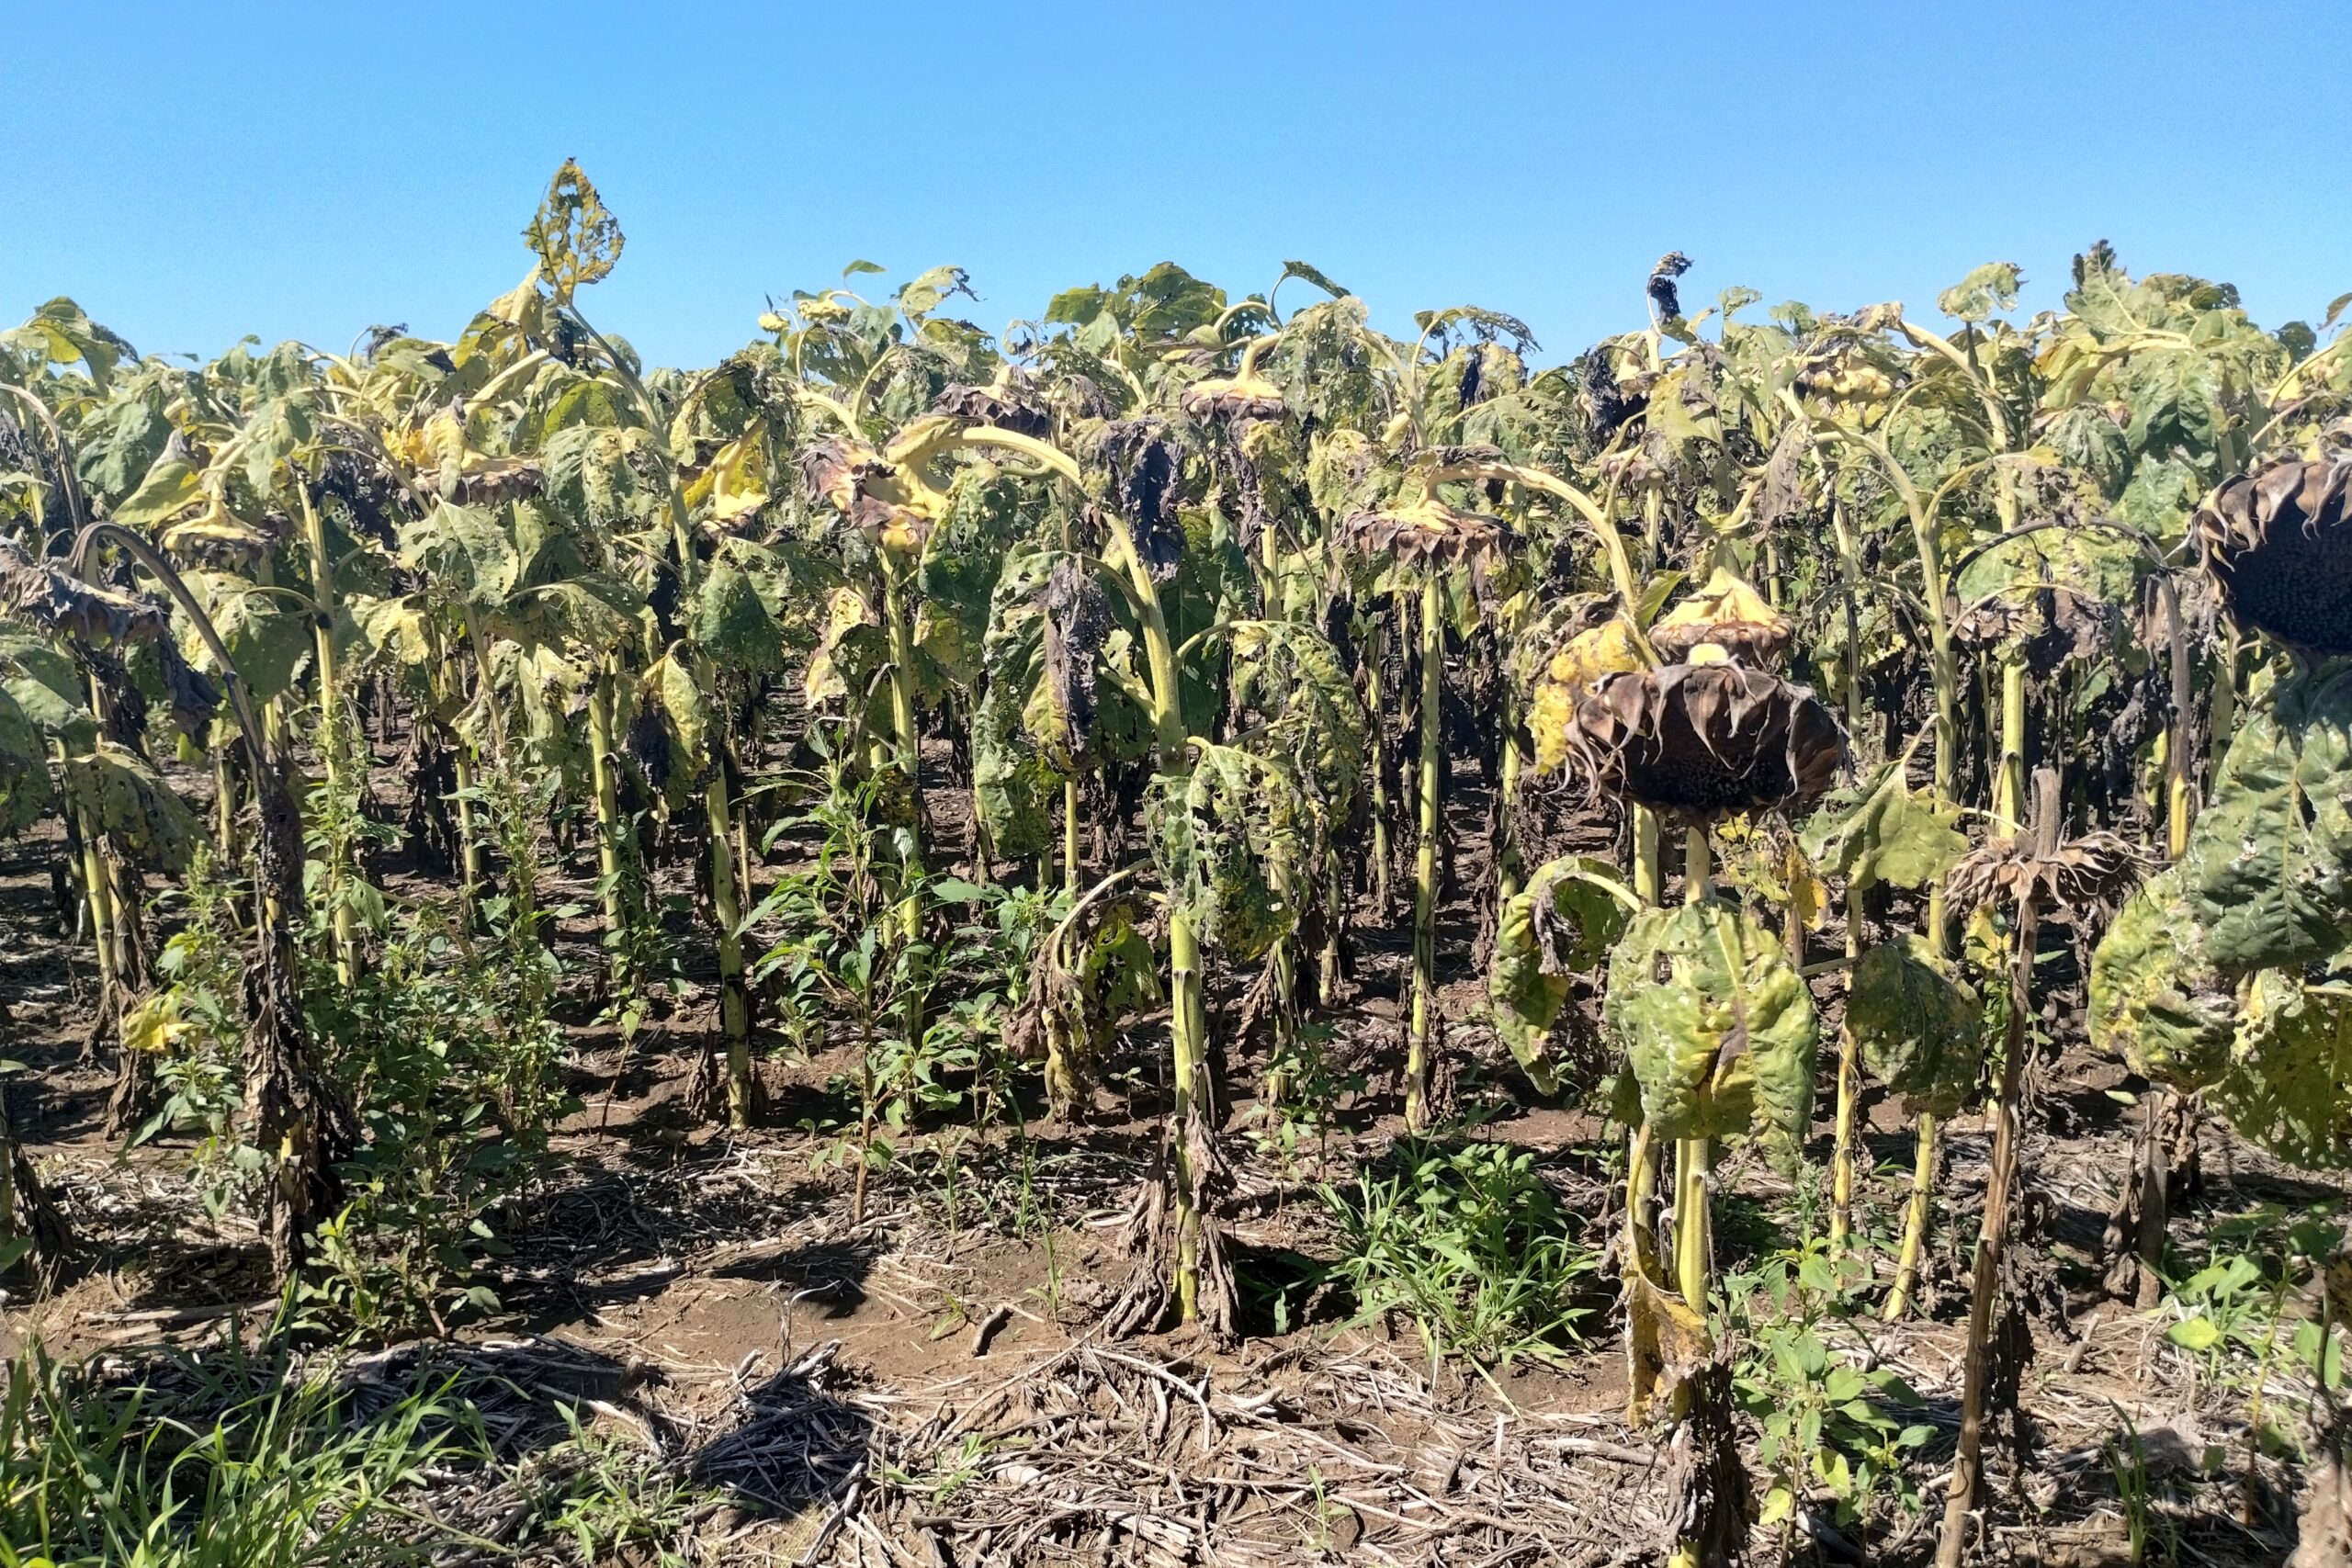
x=1192, y=931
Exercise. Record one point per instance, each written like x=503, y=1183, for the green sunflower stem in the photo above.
x=339, y=865
x=601, y=701
x=726, y=912
x=1692, y=1245
x=1915, y=1223
x=1375, y=654
x=1417, y=1054
x=1649, y=878
x=2009, y=799
x=1850, y=1079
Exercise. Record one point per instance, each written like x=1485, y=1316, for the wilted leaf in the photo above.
x=1883, y=832
x=2155, y=999
x=1562, y=923
x=576, y=240
x=2269, y=867
x=1720, y=1028
x=1919, y=1029
x=131, y=805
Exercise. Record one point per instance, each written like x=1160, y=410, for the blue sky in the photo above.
x=192, y=174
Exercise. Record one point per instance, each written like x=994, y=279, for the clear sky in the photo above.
x=194, y=173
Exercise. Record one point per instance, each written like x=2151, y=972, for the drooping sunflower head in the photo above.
x=872, y=494
x=1011, y=401
x=1237, y=400
x=1706, y=741
x=2277, y=547
x=1241, y=398
x=1726, y=615
x=1426, y=531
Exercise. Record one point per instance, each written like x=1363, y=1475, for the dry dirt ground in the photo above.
x=927, y=1387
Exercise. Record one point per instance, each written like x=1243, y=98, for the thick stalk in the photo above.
x=1849, y=1080
x=905, y=734
x=1188, y=1012
x=2151, y=1170
x=1187, y=1039
x=2223, y=721
x=1375, y=652
x=98, y=893
x=1915, y=1222
x=1506, y=866
x=1640, y=1264
x=469, y=842
x=2009, y=797
x=1417, y=1052
x=1649, y=875
x=1692, y=1245
x=726, y=907
x=1069, y=834
x=608, y=806
x=225, y=793
x=339, y=865
x=1992, y=1237
x=908, y=740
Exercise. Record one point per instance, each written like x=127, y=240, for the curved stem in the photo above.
x=147, y=556
x=75, y=513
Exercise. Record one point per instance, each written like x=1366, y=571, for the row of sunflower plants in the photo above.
x=1820, y=671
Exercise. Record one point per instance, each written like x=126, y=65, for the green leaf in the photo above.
x=731, y=626
x=1919, y=1029
x=131, y=804
x=170, y=488
x=66, y=334
x=2289, y=1090
x=673, y=684
x=1561, y=924
x=466, y=548
x=576, y=240
x=1228, y=842
x=2194, y=1333
x=1883, y=833
x=2269, y=867
x=24, y=787
x=267, y=636
x=1315, y=275
x=1993, y=286
x=1719, y=1027
x=2155, y=999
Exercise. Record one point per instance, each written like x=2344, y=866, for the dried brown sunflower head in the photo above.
x=1009, y=402
x=1726, y=614
x=2277, y=546
x=872, y=494
x=1426, y=530
x=1704, y=742
x=1238, y=399
x=35, y=591
x=2068, y=880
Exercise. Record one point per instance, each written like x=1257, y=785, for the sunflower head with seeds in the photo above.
x=2277, y=547
x=1701, y=742
x=1728, y=620
x=1243, y=398
x=1426, y=531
